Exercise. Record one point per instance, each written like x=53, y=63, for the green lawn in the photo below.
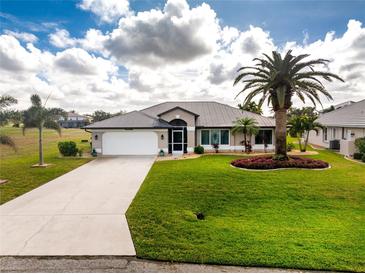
x=303, y=219
x=16, y=166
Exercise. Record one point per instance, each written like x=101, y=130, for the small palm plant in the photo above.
x=276, y=80
x=301, y=126
x=246, y=126
x=40, y=117
x=6, y=101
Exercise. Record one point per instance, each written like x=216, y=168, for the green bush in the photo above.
x=363, y=158
x=199, y=150
x=290, y=146
x=358, y=155
x=67, y=148
x=360, y=144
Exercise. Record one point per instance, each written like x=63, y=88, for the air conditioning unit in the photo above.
x=335, y=144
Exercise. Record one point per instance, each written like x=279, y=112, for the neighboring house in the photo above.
x=177, y=127
x=341, y=127
x=73, y=120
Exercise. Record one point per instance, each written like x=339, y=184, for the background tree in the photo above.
x=100, y=115
x=246, y=126
x=276, y=80
x=40, y=117
x=308, y=111
x=252, y=107
x=300, y=126
x=6, y=101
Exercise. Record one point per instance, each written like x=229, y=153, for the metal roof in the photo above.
x=134, y=119
x=211, y=114
x=208, y=114
x=352, y=115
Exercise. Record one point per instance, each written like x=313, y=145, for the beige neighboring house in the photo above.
x=341, y=127
x=177, y=127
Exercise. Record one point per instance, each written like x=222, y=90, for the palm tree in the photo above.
x=6, y=101
x=248, y=126
x=301, y=126
x=41, y=117
x=277, y=80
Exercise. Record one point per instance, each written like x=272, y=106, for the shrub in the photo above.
x=216, y=147
x=279, y=157
x=358, y=155
x=267, y=162
x=290, y=146
x=360, y=144
x=363, y=158
x=80, y=152
x=67, y=148
x=199, y=150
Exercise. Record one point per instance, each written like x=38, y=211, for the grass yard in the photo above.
x=16, y=166
x=305, y=219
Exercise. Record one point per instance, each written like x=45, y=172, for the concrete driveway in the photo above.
x=80, y=213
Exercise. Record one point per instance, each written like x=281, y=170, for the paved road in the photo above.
x=117, y=264
x=80, y=213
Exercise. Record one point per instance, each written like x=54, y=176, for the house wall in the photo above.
x=347, y=145
x=190, y=121
x=179, y=114
x=97, y=144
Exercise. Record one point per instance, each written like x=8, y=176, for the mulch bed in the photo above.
x=266, y=162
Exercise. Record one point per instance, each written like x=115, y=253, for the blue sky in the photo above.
x=286, y=20
x=124, y=66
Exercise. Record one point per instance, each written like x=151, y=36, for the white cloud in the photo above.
x=155, y=37
x=61, y=39
x=24, y=36
x=107, y=10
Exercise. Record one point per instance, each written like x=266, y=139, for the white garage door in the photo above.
x=130, y=143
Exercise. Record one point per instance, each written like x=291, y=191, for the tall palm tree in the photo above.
x=6, y=101
x=41, y=117
x=277, y=80
x=247, y=126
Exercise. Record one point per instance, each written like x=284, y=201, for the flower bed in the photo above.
x=266, y=162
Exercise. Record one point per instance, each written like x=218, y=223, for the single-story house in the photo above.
x=341, y=127
x=73, y=120
x=177, y=127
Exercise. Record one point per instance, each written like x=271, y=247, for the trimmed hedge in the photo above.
x=199, y=150
x=68, y=148
x=363, y=158
x=267, y=162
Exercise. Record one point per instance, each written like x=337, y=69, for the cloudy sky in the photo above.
x=125, y=55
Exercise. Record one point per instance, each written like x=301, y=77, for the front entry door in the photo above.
x=177, y=141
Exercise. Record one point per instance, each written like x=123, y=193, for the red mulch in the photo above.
x=266, y=162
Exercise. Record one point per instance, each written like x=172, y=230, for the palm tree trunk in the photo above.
x=280, y=132
x=245, y=141
x=306, y=141
x=40, y=139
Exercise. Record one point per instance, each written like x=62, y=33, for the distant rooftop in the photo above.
x=350, y=115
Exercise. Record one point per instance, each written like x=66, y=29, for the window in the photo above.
x=215, y=136
x=325, y=137
x=333, y=133
x=263, y=137
x=224, y=137
x=205, y=137
x=344, y=133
